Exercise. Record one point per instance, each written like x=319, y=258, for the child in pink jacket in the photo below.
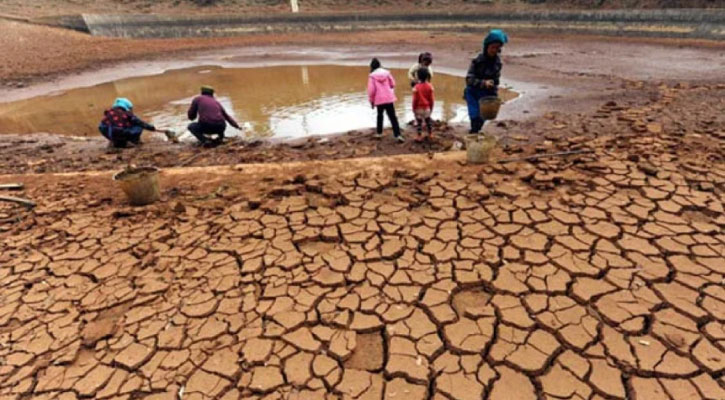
x=381, y=93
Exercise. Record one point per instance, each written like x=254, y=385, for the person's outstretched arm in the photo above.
x=229, y=119
x=139, y=122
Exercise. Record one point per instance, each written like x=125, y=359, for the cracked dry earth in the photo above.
x=598, y=276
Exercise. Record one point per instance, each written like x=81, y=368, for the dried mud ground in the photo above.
x=593, y=276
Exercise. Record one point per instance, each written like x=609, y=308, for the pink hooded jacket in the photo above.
x=380, y=87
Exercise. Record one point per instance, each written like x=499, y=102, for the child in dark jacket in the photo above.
x=483, y=76
x=423, y=103
x=121, y=126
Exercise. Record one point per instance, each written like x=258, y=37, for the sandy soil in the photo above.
x=593, y=276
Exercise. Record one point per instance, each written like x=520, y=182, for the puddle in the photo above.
x=278, y=101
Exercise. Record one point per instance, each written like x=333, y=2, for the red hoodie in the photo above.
x=423, y=96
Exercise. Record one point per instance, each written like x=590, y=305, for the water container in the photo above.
x=478, y=148
x=141, y=185
x=489, y=107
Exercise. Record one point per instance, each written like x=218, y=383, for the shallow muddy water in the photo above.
x=278, y=101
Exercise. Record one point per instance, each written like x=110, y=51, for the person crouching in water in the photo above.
x=483, y=76
x=423, y=103
x=424, y=61
x=381, y=93
x=121, y=126
x=212, y=118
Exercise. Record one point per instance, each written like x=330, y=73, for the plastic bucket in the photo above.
x=141, y=185
x=489, y=107
x=478, y=148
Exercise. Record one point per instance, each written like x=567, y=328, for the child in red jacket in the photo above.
x=423, y=103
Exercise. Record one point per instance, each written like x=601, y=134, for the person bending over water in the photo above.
x=381, y=93
x=483, y=76
x=121, y=126
x=213, y=118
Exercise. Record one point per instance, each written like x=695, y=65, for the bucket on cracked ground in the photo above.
x=140, y=184
x=489, y=107
x=479, y=147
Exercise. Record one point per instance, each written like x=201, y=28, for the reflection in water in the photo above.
x=282, y=101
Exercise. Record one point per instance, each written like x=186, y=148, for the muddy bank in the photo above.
x=42, y=153
x=552, y=73
x=694, y=117
x=571, y=78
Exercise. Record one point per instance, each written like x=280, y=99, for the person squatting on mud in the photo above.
x=381, y=93
x=423, y=103
x=120, y=126
x=424, y=61
x=212, y=117
x=483, y=76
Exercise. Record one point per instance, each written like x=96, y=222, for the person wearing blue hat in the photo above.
x=121, y=126
x=483, y=76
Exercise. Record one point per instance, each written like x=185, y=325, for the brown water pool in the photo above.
x=276, y=101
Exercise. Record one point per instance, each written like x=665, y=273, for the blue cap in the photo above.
x=495, y=35
x=124, y=103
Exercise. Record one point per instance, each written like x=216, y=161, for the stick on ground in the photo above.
x=18, y=200
x=12, y=186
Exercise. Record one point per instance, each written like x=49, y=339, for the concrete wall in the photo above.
x=75, y=22
x=706, y=24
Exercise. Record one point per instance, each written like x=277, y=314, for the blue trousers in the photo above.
x=121, y=136
x=473, y=95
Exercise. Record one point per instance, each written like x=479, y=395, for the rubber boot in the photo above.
x=476, y=125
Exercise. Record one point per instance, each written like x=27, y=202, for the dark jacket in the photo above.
x=210, y=111
x=119, y=118
x=484, y=68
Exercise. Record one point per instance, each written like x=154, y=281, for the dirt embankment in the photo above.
x=38, y=53
x=41, y=8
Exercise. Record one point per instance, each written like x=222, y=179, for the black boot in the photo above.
x=476, y=125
